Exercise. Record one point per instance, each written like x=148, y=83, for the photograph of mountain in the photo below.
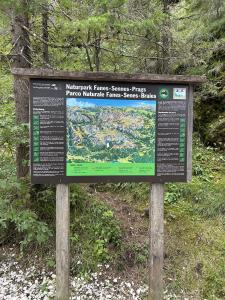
x=110, y=131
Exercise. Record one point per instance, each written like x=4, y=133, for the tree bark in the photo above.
x=166, y=39
x=97, y=51
x=45, y=35
x=22, y=59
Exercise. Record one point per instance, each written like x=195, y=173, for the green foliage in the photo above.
x=216, y=131
x=17, y=222
x=94, y=231
x=43, y=202
x=206, y=179
x=209, y=200
x=11, y=134
x=173, y=194
x=134, y=254
x=214, y=279
x=194, y=246
x=201, y=29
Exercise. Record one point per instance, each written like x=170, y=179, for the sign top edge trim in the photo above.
x=107, y=76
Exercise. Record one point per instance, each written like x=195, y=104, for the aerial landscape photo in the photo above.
x=110, y=131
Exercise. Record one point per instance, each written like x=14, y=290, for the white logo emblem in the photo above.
x=179, y=93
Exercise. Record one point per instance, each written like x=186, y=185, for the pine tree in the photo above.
x=22, y=59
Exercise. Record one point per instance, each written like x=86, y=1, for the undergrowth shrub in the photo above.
x=44, y=202
x=18, y=223
x=95, y=233
x=132, y=254
x=20, y=220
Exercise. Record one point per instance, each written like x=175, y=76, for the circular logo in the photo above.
x=164, y=94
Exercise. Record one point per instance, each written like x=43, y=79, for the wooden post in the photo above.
x=62, y=241
x=189, y=134
x=156, y=242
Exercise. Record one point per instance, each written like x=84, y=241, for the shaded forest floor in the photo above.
x=134, y=227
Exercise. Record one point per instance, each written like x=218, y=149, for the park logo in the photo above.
x=179, y=93
x=164, y=94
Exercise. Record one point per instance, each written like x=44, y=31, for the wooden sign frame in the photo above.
x=45, y=77
x=156, y=231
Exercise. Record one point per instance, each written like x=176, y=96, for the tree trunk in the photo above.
x=166, y=39
x=97, y=51
x=21, y=50
x=45, y=35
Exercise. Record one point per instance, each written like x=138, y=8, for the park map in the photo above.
x=110, y=137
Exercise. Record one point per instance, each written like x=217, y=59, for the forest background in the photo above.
x=134, y=36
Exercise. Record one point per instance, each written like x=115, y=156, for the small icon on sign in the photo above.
x=164, y=94
x=55, y=87
x=179, y=93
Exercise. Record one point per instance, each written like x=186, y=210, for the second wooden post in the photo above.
x=156, y=236
x=62, y=241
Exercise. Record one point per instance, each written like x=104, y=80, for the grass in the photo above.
x=195, y=229
x=195, y=253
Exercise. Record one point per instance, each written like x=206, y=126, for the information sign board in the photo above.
x=87, y=131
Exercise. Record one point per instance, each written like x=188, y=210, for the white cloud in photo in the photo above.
x=82, y=104
x=143, y=104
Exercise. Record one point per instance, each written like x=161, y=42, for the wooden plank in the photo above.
x=62, y=241
x=107, y=76
x=156, y=233
x=189, y=134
